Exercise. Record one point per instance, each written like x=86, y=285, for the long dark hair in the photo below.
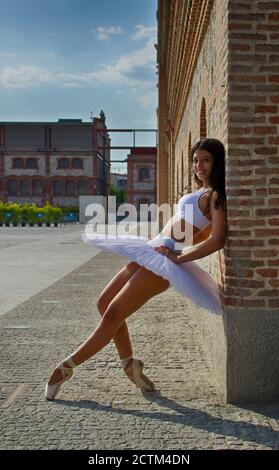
x=217, y=175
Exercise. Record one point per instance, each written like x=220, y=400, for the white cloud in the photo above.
x=24, y=77
x=103, y=34
x=135, y=72
x=144, y=32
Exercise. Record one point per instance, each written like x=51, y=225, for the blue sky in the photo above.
x=66, y=58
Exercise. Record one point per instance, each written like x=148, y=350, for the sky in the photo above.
x=66, y=58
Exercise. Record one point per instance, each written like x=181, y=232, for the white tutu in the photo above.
x=189, y=279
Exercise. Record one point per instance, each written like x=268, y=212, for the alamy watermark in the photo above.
x=149, y=222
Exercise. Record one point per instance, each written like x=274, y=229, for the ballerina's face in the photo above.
x=202, y=165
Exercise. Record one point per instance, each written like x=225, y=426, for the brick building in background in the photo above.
x=142, y=176
x=54, y=162
x=219, y=77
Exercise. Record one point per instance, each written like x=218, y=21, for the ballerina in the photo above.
x=156, y=265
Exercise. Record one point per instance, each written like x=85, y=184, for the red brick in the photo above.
x=267, y=6
x=248, y=78
x=252, y=303
x=239, y=109
x=265, y=253
x=246, y=273
x=274, y=202
x=266, y=171
x=267, y=27
x=237, y=213
x=233, y=253
x=267, y=272
x=273, y=221
x=274, y=181
x=239, y=233
x=274, y=242
x=273, y=282
x=265, y=130
x=249, y=242
x=273, y=78
x=230, y=291
x=239, y=6
x=240, y=47
x=266, y=232
x=274, y=119
x=266, y=150
x=274, y=303
x=234, y=282
x=264, y=212
x=240, y=26
x=273, y=262
x=241, y=130
x=239, y=192
x=273, y=140
x=247, y=202
x=273, y=16
x=268, y=293
x=266, y=109
x=261, y=191
x=231, y=301
x=246, y=221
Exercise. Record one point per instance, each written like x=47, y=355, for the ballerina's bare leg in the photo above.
x=141, y=287
x=121, y=337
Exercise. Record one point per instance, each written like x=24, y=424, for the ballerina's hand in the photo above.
x=167, y=252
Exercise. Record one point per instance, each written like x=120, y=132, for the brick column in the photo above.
x=252, y=253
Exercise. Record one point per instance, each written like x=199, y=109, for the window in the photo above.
x=143, y=173
x=77, y=163
x=18, y=163
x=203, y=120
x=32, y=163
x=70, y=188
x=83, y=188
x=63, y=163
x=12, y=187
x=37, y=188
x=24, y=188
x=58, y=188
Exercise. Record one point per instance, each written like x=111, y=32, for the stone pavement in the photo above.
x=99, y=408
x=34, y=258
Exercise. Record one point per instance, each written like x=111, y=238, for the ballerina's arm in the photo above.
x=214, y=242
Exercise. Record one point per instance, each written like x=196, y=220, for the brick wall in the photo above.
x=219, y=77
x=205, y=111
x=252, y=251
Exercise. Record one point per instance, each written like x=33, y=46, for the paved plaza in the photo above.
x=50, y=281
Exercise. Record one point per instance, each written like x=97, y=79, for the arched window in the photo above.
x=83, y=188
x=63, y=163
x=143, y=173
x=203, y=120
x=25, y=188
x=70, y=188
x=18, y=163
x=12, y=187
x=77, y=163
x=58, y=188
x=37, y=188
x=31, y=163
x=182, y=173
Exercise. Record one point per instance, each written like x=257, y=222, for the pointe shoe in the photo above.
x=67, y=372
x=133, y=369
